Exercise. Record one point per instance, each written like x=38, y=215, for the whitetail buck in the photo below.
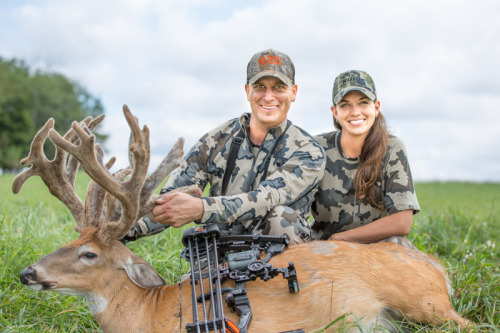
x=368, y=284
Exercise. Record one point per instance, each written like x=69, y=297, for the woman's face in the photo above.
x=356, y=113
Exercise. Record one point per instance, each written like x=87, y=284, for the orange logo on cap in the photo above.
x=270, y=59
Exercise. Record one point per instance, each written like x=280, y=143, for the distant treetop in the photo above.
x=28, y=99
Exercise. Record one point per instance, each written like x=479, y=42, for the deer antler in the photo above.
x=169, y=163
x=132, y=193
x=60, y=173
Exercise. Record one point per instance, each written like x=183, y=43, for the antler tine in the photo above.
x=94, y=204
x=94, y=201
x=72, y=166
x=127, y=192
x=140, y=151
x=113, y=208
x=170, y=163
x=51, y=172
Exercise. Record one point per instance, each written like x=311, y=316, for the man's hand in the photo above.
x=177, y=209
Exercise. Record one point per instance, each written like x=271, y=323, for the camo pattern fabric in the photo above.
x=271, y=63
x=336, y=208
x=283, y=220
x=295, y=169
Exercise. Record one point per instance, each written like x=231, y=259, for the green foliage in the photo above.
x=459, y=223
x=28, y=100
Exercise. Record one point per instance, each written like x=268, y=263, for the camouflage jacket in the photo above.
x=293, y=175
x=336, y=208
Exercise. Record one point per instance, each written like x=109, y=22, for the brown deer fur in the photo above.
x=335, y=278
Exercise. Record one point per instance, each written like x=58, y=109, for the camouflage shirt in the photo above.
x=336, y=208
x=295, y=169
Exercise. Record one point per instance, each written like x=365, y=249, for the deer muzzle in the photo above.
x=29, y=278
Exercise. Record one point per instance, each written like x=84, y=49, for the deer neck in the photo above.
x=125, y=307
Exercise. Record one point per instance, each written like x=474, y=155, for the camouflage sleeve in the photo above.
x=287, y=184
x=398, y=183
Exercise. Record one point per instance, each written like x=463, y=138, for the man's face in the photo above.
x=270, y=101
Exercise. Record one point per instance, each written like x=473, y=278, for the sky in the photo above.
x=180, y=66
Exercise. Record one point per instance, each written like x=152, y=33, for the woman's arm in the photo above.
x=397, y=224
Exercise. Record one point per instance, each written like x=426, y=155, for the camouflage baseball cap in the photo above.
x=271, y=63
x=353, y=80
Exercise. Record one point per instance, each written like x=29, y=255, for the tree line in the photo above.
x=28, y=99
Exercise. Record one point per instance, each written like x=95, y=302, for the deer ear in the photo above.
x=143, y=275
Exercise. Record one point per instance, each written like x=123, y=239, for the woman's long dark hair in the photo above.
x=370, y=161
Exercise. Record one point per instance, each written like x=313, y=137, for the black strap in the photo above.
x=233, y=153
x=264, y=166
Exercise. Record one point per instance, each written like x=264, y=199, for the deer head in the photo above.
x=113, y=203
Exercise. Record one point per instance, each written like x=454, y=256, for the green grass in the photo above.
x=459, y=223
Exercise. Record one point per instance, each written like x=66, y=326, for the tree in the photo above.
x=16, y=122
x=26, y=102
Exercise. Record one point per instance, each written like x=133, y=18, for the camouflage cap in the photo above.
x=353, y=80
x=271, y=63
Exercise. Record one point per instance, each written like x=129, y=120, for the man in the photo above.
x=269, y=184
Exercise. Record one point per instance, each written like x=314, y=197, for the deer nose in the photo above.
x=27, y=274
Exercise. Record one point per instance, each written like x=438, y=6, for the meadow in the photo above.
x=459, y=223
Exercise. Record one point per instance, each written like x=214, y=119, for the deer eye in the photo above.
x=89, y=255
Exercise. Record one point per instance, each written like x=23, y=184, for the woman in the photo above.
x=367, y=192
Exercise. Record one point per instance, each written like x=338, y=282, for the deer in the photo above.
x=342, y=284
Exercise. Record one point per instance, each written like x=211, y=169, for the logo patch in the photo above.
x=270, y=59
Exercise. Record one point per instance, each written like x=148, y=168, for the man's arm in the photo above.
x=178, y=209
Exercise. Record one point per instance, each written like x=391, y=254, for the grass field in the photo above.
x=459, y=223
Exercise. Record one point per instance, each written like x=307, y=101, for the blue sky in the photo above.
x=181, y=66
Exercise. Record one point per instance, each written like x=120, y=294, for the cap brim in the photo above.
x=344, y=92
x=275, y=74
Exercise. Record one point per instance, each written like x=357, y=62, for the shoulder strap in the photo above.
x=233, y=153
x=265, y=165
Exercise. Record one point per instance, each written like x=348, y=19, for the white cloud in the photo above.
x=181, y=66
